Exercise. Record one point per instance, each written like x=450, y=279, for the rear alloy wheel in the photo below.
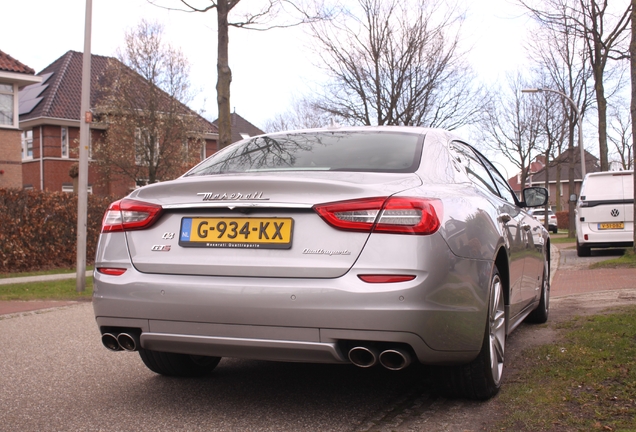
x=582, y=251
x=481, y=378
x=179, y=365
x=540, y=314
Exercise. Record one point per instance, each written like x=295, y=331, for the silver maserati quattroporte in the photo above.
x=371, y=245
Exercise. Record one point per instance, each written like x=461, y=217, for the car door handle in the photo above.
x=505, y=218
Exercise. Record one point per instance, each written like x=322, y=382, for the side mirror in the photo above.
x=573, y=198
x=535, y=196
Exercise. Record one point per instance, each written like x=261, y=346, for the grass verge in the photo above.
x=628, y=260
x=47, y=290
x=41, y=272
x=586, y=382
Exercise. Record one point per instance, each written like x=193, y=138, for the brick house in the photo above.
x=241, y=128
x=13, y=76
x=563, y=161
x=537, y=173
x=50, y=121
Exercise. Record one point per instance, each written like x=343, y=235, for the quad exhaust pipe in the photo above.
x=121, y=341
x=392, y=359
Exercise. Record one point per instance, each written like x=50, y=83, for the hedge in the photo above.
x=563, y=219
x=38, y=229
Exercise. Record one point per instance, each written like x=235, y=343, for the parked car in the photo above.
x=367, y=246
x=605, y=211
x=539, y=214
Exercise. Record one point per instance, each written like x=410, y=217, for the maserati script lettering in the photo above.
x=211, y=196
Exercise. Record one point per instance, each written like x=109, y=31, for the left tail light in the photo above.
x=127, y=215
x=393, y=215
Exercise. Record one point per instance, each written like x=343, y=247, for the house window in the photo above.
x=142, y=148
x=7, y=105
x=27, y=144
x=65, y=142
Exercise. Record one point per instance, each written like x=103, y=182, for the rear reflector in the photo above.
x=111, y=271
x=393, y=215
x=127, y=215
x=386, y=278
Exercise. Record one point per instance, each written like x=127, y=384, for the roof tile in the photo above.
x=9, y=64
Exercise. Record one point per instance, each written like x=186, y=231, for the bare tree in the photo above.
x=303, y=114
x=260, y=15
x=151, y=135
x=620, y=134
x=604, y=32
x=396, y=62
x=510, y=125
x=561, y=54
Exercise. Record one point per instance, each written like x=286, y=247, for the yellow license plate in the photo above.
x=614, y=225
x=247, y=233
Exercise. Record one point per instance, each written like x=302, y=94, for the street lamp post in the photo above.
x=571, y=207
x=578, y=120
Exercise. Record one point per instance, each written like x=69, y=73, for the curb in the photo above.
x=27, y=279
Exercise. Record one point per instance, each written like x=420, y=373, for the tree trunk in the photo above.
x=632, y=62
x=601, y=103
x=571, y=187
x=546, y=221
x=559, y=205
x=224, y=75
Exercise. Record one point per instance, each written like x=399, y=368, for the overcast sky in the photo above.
x=269, y=68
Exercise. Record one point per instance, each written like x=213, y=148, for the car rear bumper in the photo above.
x=440, y=315
x=604, y=239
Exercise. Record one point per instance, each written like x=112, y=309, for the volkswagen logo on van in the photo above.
x=615, y=213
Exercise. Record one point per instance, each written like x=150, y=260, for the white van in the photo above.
x=605, y=211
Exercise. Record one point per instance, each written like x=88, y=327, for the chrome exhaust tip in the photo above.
x=110, y=341
x=395, y=359
x=128, y=342
x=363, y=356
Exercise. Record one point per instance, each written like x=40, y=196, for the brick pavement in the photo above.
x=579, y=281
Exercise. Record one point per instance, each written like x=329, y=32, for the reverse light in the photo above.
x=111, y=271
x=393, y=215
x=127, y=215
x=385, y=278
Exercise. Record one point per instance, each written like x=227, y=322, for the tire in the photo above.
x=582, y=251
x=481, y=378
x=555, y=231
x=178, y=365
x=540, y=314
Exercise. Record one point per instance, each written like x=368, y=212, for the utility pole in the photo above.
x=85, y=120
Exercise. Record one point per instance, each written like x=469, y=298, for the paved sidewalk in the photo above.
x=14, y=307
x=570, y=279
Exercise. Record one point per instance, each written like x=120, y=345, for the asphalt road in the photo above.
x=56, y=375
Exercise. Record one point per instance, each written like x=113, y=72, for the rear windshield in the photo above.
x=323, y=151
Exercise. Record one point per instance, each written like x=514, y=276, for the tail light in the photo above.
x=127, y=215
x=386, y=278
x=393, y=215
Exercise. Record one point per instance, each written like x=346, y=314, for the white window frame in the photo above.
x=69, y=189
x=27, y=143
x=64, y=140
x=13, y=93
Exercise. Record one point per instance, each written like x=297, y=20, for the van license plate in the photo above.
x=614, y=225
